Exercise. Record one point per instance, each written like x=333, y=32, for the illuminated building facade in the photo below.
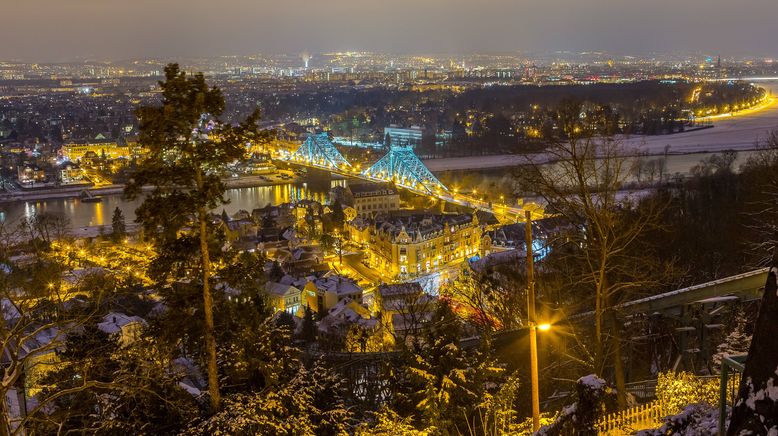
x=76, y=151
x=374, y=198
x=396, y=136
x=28, y=174
x=408, y=245
x=70, y=173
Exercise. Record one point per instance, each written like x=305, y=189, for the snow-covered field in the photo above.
x=738, y=133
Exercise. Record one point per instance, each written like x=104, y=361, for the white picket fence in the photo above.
x=644, y=416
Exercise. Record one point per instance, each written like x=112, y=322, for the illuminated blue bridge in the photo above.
x=399, y=166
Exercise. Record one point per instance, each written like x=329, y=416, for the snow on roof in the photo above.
x=113, y=322
x=342, y=286
x=10, y=312
x=399, y=289
x=192, y=379
x=343, y=310
x=279, y=289
x=227, y=289
x=193, y=391
x=498, y=258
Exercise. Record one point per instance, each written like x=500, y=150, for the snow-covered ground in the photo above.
x=738, y=133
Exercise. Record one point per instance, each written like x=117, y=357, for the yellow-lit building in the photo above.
x=110, y=149
x=408, y=245
x=374, y=198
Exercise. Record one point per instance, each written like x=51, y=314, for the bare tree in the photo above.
x=584, y=186
x=492, y=299
x=36, y=319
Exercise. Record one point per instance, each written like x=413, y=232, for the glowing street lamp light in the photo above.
x=544, y=327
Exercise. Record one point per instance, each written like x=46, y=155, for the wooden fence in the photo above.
x=641, y=417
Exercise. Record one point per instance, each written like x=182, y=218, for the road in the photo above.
x=354, y=261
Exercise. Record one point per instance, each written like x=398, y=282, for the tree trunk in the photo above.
x=597, y=333
x=599, y=311
x=210, y=339
x=755, y=413
x=618, y=364
x=5, y=425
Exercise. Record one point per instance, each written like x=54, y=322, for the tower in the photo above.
x=306, y=57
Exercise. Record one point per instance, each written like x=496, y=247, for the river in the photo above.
x=483, y=172
x=81, y=214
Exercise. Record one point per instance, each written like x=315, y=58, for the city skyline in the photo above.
x=49, y=31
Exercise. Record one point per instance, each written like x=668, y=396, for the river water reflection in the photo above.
x=83, y=214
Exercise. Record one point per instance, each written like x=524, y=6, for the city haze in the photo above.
x=53, y=30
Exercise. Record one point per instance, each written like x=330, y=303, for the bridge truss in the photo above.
x=319, y=151
x=403, y=167
x=399, y=166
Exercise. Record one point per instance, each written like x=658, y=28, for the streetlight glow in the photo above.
x=544, y=327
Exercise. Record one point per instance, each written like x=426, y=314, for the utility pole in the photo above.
x=533, y=340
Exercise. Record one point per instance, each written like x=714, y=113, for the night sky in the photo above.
x=59, y=30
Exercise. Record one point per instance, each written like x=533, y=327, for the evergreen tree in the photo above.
x=736, y=342
x=187, y=148
x=338, y=217
x=276, y=272
x=308, y=329
x=311, y=402
x=119, y=228
x=327, y=242
x=444, y=384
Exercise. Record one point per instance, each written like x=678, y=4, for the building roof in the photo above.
x=279, y=289
x=399, y=289
x=419, y=226
x=342, y=286
x=362, y=190
x=113, y=322
x=507, y=257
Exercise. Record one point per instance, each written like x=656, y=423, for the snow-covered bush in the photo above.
x=387, y=422
x=594, y=399
x=699, y=419
x=676, y=390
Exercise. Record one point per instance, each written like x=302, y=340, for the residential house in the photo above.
x=284, y=296
x=125, y=328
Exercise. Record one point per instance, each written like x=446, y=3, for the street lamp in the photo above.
x=533, y=326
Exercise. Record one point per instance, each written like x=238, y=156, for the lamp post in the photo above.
x=533, y=340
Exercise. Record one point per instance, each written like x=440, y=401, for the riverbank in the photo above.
x=64, y=192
